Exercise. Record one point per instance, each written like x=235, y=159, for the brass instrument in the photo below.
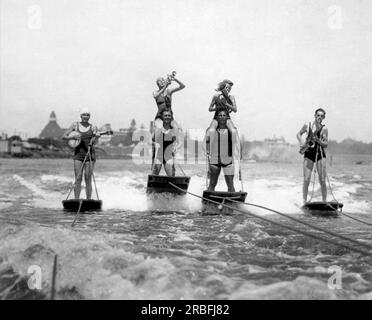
x=171, y=76
x=310, y=143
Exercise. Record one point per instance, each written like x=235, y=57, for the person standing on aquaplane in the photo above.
x=221, y=154
x=314, y=152
x=165, y=148
x=223, y=100
x=89, y=136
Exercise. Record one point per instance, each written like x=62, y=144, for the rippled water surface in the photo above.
x=162, y=247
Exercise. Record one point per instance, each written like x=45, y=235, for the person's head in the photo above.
x=319, y=115
x=225, y=85
x=166, y=116
x=160, y=82
x=222, y=118
x=85, y=115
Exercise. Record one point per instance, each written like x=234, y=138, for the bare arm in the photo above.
x=233, y=106
x=180, y=86
x=157, y=93
x=301, y=132
x=69, y=130
x=96, y=136
x=212, y=106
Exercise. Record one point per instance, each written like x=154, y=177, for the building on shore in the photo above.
x=52, y=129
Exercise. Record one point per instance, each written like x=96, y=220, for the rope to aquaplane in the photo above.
x=285, y=226
x=340, y=211
x=303, y=222
x=331, y=190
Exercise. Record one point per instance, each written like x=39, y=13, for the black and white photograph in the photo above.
x=198, y=152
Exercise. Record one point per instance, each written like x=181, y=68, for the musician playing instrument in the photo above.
x=314, y=152
x=83, y=161
x=163, y=98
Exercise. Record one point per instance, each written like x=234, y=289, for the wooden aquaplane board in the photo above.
x=161, y=184
x=221, y=197
x=86, y=206
x=323, y=208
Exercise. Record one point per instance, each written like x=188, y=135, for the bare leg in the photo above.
x=212, y=133
x=236, y=144
x=156, y=168
x=230, y=183
x=89, y=167
x=78, y=177
x=177, y=132
x=322, y=173
x=308, y=168
x=169, y=168
x=158, y=124
x=215, y=172
x=156, y=149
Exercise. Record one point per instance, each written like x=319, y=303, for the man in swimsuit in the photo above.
x=223, y=100
x=221, y=154
x=83, y=161
x=164, y=146
x=163, y=98
x=315, y=153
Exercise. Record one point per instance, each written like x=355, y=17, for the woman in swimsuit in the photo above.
x=163, y=98
x=316, y=154
x=89, y=136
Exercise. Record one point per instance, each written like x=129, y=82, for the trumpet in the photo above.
x=171, y=76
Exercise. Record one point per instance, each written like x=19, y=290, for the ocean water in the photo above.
x=162, y=247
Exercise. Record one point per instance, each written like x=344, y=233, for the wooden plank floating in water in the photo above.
x=323, y=208
x=221, y=197
x=87, y=205
x=161, y=184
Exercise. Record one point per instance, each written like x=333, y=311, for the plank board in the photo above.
x=221, y=197
x=161, y=184
x=87, y=205
x=323, y=208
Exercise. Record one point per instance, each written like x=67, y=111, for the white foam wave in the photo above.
x=126, y=190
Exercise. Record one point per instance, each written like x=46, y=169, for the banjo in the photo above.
x=73, y=143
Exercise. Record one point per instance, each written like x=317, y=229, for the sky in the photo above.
x=286, y=58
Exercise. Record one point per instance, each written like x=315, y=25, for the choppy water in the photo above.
x=142, y=247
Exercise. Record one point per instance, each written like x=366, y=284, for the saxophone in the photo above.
x=310, y=143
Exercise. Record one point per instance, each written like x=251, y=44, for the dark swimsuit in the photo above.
x=221, y=104
x=166, y=153
x=163, y=103
x=82, y=149
x=317, y=152
x=216, y=158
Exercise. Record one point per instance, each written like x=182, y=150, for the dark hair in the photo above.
x=223, y=84
x=320, y=109
x=166, y=110
x=222, y=110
